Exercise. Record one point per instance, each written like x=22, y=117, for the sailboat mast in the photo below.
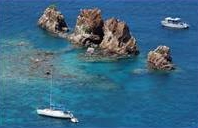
x=51, y=86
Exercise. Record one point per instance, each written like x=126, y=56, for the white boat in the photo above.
x=52, y=111
x=174, y=23
x=90, y=50
x=57, y=114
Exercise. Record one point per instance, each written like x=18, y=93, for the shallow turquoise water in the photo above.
x=101, y=94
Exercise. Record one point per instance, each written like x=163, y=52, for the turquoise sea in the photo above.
x=120, y=93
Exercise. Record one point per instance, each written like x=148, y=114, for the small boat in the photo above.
x=56, y=112
x=174, y=23
x=90, y=50
x=51, y=112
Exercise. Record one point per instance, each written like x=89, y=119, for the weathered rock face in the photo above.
x=117, y=38
x=89, y=22
x=88, y=28
x=53, y=21
x=87, y=40
x=160, y=59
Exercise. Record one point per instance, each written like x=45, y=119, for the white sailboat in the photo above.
x=52, y=111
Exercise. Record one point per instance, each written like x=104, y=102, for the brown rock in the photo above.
x=89, y=22
x=53, y=21
x=88, y=29
x=87, y=40
x=117, y=38
x=160, y=59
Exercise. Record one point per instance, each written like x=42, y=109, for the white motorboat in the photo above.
x=174, y=23
x=56, y=112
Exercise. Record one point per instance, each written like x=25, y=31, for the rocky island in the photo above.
x=111, y=37
x=117, y=38
x=160, y=59
x=53, y=21
x=88, y=30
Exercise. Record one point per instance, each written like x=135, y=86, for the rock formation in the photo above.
x=117, y=38
x=160, y=59
x=53, y=21
x=88, y=29
x=113, y=37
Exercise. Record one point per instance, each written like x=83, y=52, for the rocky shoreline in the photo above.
x=111, y=38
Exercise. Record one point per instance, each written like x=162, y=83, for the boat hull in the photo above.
x=53, y=113
x=175, y=26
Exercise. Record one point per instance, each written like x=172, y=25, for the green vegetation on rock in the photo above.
x=52, y=6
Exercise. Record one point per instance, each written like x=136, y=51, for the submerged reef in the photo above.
x=160, y=59
x=24, y=63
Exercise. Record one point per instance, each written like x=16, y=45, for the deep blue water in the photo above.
x=100, y=94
